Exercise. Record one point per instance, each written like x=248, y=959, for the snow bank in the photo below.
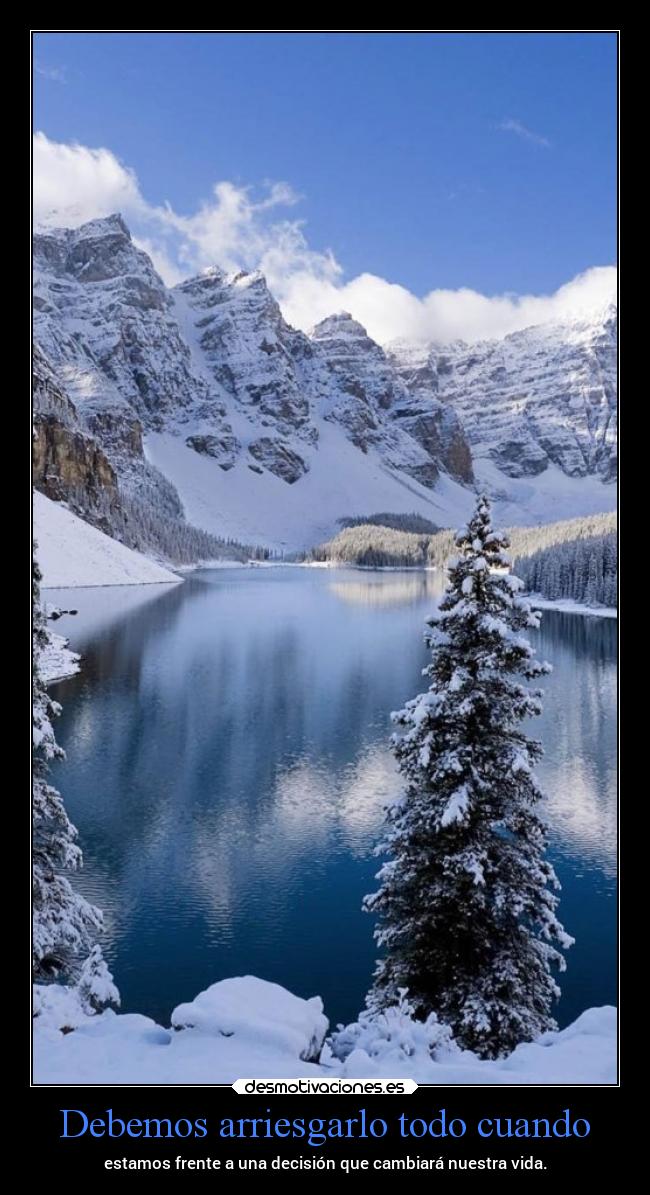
x=72, y=553
x=57, y=660
x=545, y=498
x=584, y=1052
x=568, y=606
x=238, y=1028
x=248, y=1028
x=259, y=1012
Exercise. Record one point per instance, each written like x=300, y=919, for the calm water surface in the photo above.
x=227, y=767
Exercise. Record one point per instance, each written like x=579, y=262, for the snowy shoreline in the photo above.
x=58, y=661
x=567, y=606
x=244, y=1026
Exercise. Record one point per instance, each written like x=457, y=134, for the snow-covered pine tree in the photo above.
x=95, y=988
x=466, y=905
x=63, y=922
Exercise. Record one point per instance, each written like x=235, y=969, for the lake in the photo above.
x=228, y=764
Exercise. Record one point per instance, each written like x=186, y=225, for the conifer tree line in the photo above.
x=574, y=558
x=152, y=521
x=399, y=522
x=374, y=545
x=466, y=904
x=585, y=570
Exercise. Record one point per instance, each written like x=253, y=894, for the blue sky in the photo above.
x=430, y=160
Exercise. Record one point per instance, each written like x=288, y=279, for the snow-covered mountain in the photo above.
x=537, y=401
x=270, y=435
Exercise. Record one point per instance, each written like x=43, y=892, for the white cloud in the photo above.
x=389, y=311
x=510, y=125
x=56, y=74
x=236, y=230
x=73, y=183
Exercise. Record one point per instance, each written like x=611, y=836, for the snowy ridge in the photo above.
x=71, y=553
x=246, y=1027
x=273, y=435
x=213, y=364
x=540, y=397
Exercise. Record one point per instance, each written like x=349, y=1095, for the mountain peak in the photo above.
x=215, y=367
x=340, y=325
x=106, y=226
x=103, y=226
x=96, y=251
x=210, y=278
x=246, y=279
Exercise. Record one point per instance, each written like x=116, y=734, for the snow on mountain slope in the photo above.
x=289, y=432
x=369, y=399
x=214, y=364
x=72, y=553
x=547, y=498
x=212, y=361
x=261, y=508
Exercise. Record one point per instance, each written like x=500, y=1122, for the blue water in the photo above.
x=227, y=767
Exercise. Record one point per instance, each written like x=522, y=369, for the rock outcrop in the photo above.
x=278, y=459
x=67, y=463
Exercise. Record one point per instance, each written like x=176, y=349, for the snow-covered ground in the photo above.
x=546, y=498
x=57, y=659
x=264, y=509
x=71, y=553
x=568, y=606
x=248, y=1028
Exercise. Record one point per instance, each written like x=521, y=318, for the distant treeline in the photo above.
x=378, y=546
x=585, y=570
x=526, y=540
x=398, y=522
x=573, y=558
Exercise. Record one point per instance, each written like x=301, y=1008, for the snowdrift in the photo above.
x=248, y=1028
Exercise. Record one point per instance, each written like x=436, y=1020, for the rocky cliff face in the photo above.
x=544, y=396
x=210, y=372
x=67, y=463
x=105, y=321
x=254, y=360
x=213, y=360
x=64, y=461
x=248, y=348
x=104, y=324
x=368, y=397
